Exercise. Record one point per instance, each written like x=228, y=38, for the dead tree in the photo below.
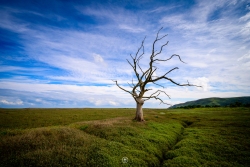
x=143, y=78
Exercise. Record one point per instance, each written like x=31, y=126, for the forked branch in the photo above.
x=123, y=88
x=155, y=95
x=145, y=77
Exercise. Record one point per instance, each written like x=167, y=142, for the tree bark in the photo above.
x=139, y=111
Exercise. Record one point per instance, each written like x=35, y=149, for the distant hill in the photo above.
x=216, y=102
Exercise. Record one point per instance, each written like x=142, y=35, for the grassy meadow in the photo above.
x=102, y=137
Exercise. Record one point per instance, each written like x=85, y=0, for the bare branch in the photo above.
x=146, y=77
x=140, y=68
x=161, y=49
x=123, y=88
x=171, y=58
x=156, y=96
x=142, y=46
x=158, y=78
x=134, y=67
x=156, y=39
x=136, y=60
x=149, y=78
x=162, y=37
x=158, y=35
x=159, y=91
x=188, y=84
x=165, y=93
x=135, y=88
x=171, y=70
x=130, y=85
x=147, y=90
x=131, y=57
x=145, y=74
x=130, y=63
x=158, y=84
x=133, y=82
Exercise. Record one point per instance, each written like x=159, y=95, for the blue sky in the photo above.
x=62, y=53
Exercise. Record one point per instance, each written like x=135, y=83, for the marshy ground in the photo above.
x=102, y=137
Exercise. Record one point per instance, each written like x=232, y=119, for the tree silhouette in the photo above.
x=145, y=77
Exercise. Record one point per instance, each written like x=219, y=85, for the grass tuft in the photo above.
x=197, y=137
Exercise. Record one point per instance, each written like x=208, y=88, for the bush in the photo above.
x=236, y=104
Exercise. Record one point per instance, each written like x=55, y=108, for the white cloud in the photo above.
x=245, y=17
x=38, y=100
x=248, y=7
x=17, y=102
x=210, y=46
x=125, y=20
x=163, y=9
x=246, y=56
x=113, y=103
x=204, y=82
x=131, y=28
x=198, y=64
x=98, y=58
x=188, y=92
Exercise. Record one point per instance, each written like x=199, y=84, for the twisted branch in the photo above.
x=146, y=77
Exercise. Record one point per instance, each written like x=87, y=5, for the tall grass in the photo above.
x=102, y=137
x=37, y=117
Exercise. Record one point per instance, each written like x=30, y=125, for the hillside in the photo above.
x=216, y=101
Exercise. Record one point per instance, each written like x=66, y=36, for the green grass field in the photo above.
x=102, y=137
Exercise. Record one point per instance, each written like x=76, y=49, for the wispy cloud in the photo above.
x=164, y=9
x=70, y=58
x=17, y=102
x=217, y=39
x=131, y=28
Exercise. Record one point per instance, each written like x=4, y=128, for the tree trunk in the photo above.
x=139, y=112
